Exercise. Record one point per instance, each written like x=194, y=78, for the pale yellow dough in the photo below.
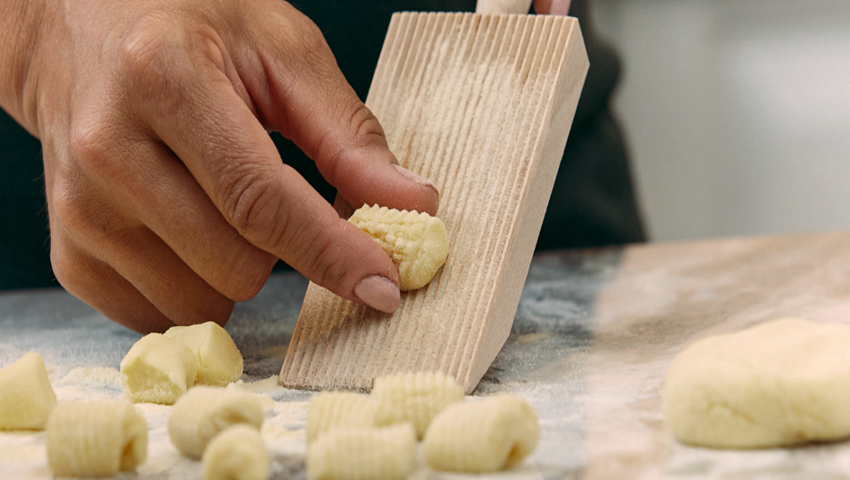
x=363, y=454
x=158, y=369
x=205, y=411
x=331, y=410
x=779, y=383
x=95, y=438
x=483, y=436
x=417, y=242
x=219, y=361
x=237, y=453
x=26, y=397
x=414, y=397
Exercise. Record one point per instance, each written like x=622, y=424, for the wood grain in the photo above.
x=481, y=105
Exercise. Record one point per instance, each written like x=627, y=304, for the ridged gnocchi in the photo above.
x=414, y=397
x=237, y=453
x=385, y=453
x=330, y=410
x=484, y=436
x=219, y=360
x=417, y=242
x=205, y=411
x=26, y=397
x=158, y=369
x=95, y=438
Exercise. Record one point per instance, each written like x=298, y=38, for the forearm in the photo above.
x=20, y=27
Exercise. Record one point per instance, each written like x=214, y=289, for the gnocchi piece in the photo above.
x=363, y=454
x=477, y=437
x=414, y=397
x=95, y=438
x=26, y=397
x=158, y=369
x=329, y=410
x=237, y=453
x=417, y=242
x=205, y=411
x=219, y=361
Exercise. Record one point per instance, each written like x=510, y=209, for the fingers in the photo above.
x=552, y=7
x=308, y=100
x=100, y=286
x=235, y=162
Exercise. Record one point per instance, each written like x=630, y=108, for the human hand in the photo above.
x=167, y=199
x=542, y=7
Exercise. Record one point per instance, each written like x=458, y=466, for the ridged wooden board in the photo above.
x=481, y=105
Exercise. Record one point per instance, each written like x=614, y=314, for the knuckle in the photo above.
x=89, y=145
x=253, y=206
x=142, y=51
x=67, y=266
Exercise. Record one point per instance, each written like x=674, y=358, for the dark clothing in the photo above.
x=593, y=202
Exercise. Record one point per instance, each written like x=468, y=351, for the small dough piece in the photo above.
x=485, y=436
x=414, y=397
x=219, y=361
x=779, y=383
x=237, y=453
x=417, y=242
x=95, y=438
x=26, y=397
x=330, y=410
x=363, y=454
x=205, y=411
x=158, y=369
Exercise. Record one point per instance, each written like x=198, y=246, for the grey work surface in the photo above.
x=589, y=350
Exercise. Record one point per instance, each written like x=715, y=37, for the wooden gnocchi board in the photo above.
x=481, y=105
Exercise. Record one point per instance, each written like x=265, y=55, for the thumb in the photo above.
x=316, y=108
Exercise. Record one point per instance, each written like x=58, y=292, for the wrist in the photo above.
x=20, y=27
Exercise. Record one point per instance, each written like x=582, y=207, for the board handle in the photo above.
x=502, y=6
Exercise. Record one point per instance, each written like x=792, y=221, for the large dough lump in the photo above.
x=483, y=436
x=205, y=411
x=26, y=397
x=414, y=397
x=780, y=383
x=219, y=361
x=95, y=438
x=237, y=453
x=158, y=369
x=363, y=454
x=417, y=242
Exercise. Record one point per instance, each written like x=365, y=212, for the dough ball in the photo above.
x=417, y=242
x=329, y=410
x=158, y=369
x=219, y=361
x=95, y=438
x=363, y=454
x=237, y=453
x=414, y=397
x=779, y=383
x=205, y=411
x=26, y=397
x=484, y=436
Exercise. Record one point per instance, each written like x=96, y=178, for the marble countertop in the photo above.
x=590, y=345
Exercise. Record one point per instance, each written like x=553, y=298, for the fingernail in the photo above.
x=378, y=292
x=559, y=7
x=416, y=178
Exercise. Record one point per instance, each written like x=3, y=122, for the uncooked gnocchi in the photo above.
x=414, y=397
x=205, y=411
x=417, y=242
x=237, y=453
x=95, y=438
x=484, y=436
x=363, y=454
x=26, y=397
x=219, y=361
x=158, y=369
x=330, y=410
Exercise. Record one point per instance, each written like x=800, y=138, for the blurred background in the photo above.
x=736, y=113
